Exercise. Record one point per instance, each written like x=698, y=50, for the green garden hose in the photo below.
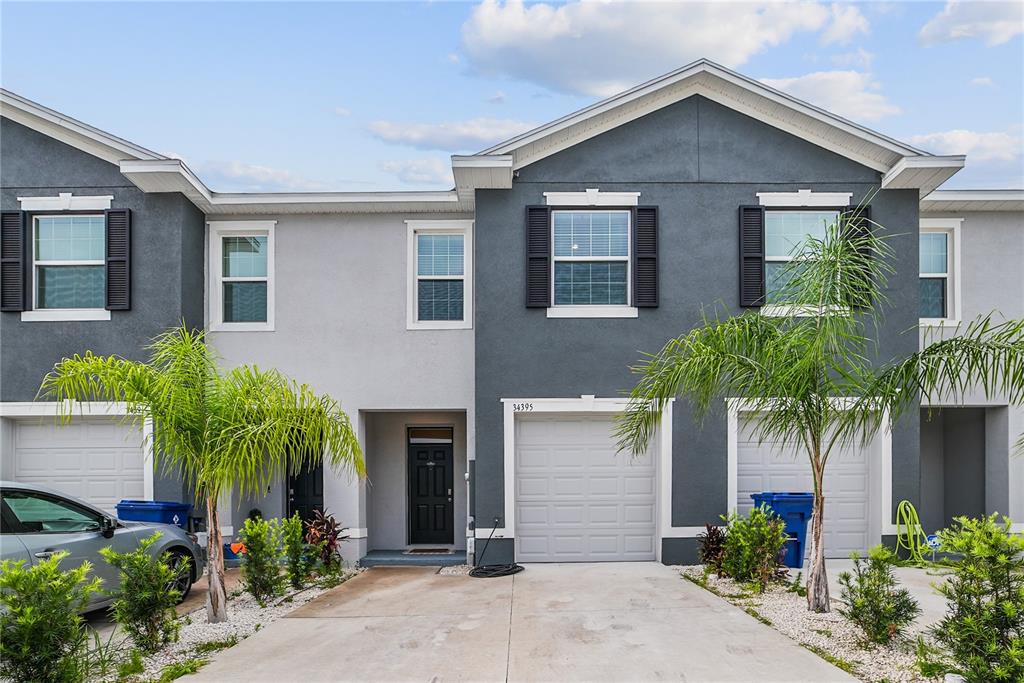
x=909, y=534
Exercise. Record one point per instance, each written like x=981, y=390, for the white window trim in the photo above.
x=661, y=449
x=218, y=230
x=65, y=201
x=43, y=409
x=804, y=198
x=594, y=310
x=951, y=227
x=592, y=197
x=39, y=315
x=462, y=227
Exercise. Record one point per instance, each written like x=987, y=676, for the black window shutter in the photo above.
x=752, y=287
x=119, y=230
x=538, y=257
x=858, y=224
x=645, y=257
x=12, y=261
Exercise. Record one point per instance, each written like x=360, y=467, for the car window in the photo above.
x=38, y=513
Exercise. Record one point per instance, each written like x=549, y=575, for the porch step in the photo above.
x=399, y=558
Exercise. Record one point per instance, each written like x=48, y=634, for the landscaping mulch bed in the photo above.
x=830, y=636
x=200, y=640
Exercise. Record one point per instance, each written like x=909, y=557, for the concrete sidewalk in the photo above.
x=571, y=622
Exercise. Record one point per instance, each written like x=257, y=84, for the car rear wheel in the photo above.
x=183, y=585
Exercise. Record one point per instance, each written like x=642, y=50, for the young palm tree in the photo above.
x=243, y=428
x=811, y=378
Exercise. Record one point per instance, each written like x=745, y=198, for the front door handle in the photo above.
x=45, y=554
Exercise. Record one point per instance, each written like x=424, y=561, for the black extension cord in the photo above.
x=490, y=571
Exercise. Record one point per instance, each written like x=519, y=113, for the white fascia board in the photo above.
x=73, y=408
x=66, y=129
x=699, y=67
x=489, y=161
x=482, y=172
x=974, y=200
x=922, y=172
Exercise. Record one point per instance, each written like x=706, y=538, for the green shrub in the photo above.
x=42, y=635
x=300, y=557
x=983, y=630
x=325, y=533
x=261, y=566
x=874, y=602
x=144, y=605
x=711, y=549
x=752, y=547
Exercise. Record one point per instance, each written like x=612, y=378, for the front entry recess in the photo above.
x=431, y=485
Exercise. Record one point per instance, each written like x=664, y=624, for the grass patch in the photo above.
x=843, y=664
x=757, y=615
x=131, y=666
x=823, y=631
x=212, y=646
x=178, y=669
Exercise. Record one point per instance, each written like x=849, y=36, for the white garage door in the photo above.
x=848, y=506
x=577, y=500
x=98, y=460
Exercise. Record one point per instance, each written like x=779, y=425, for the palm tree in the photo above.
x=243, y=428
x=812, y=377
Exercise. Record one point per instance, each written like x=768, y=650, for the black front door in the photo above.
x=431, y=511
x=306, y=492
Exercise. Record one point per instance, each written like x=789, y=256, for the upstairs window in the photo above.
x=242, y=291
x=69, y=265
x=937, y=248
x=440, y=275
x=591, y=258
x=785, y=232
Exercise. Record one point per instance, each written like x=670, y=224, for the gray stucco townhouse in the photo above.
x=484, y=365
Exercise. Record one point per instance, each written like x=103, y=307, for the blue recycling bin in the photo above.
x=795, y=509
x=162, y=511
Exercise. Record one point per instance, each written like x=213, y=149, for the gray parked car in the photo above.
x=37, y=521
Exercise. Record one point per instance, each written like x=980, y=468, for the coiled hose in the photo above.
x=909, y=534
x=490, y=571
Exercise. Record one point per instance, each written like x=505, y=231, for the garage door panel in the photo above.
x=97, y=459
x=599, y=505
x=766, y=467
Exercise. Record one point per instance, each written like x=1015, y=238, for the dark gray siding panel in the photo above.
x=167, y=257
x=697, y=180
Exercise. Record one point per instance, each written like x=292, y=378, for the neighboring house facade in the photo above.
x=73, y=281
x=481, y=338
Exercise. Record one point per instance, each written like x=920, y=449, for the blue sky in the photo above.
x=371, y=96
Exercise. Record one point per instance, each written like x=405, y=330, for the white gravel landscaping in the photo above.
x=828, y=633
x=245, y=617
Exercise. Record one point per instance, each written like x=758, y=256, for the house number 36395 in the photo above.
x=522, y=407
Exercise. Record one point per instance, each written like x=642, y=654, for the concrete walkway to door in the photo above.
x=560, y=622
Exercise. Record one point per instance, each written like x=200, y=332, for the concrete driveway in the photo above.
x=570, y=622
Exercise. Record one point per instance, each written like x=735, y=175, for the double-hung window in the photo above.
x=242, y=264
x=68, y=262
x=591, y=258
x=938, y=280
x=785, y=232
x=440, y=283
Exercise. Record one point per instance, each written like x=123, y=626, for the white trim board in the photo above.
x=27, y=409
x=804, y=198
x=592, y=196
x=65, y=201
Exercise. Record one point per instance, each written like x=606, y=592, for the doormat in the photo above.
x=428, y=551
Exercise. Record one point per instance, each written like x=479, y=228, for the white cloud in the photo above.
x=421, y=171
x=342, y=111
x=238, y=176
x=847, y=22
x=600, y=48
x=452, y=136
x=852, y=94
x=993, y=22
x=497, y=98
x=983, y=81
x=997, y=146
x=454, y=58
x=859, y=58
